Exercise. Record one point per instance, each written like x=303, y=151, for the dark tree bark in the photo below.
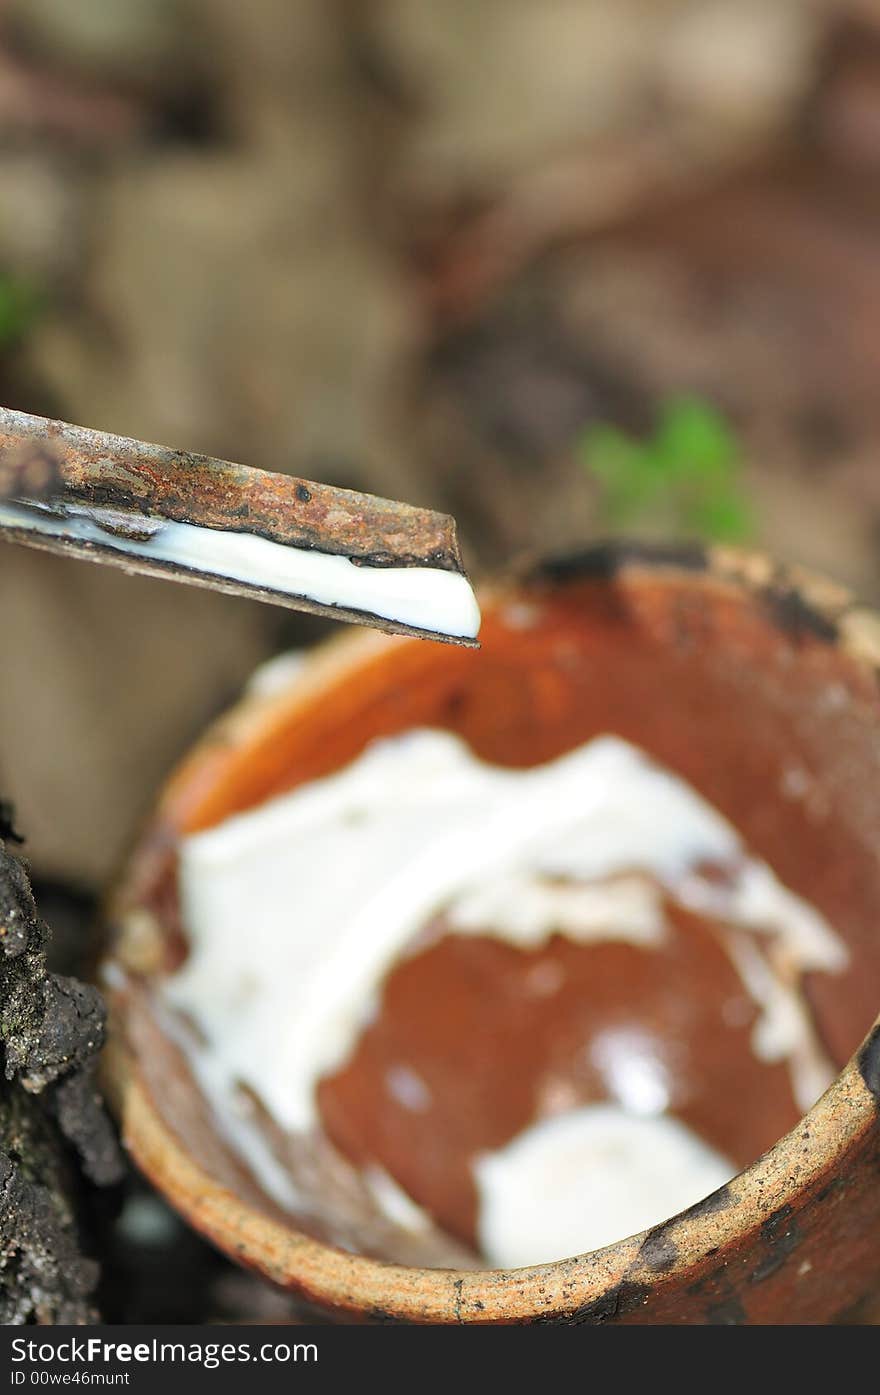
x=53, y=1128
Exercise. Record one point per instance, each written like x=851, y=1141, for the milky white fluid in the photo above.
x=586, y=1178
x=296, y=911
x=426, y=598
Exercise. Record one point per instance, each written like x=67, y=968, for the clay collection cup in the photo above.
x=756, y=684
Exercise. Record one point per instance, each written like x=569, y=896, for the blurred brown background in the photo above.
x=416, y=247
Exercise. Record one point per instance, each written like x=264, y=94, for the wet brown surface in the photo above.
x=476, y=1039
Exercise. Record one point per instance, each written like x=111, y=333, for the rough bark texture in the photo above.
x=44, y=1277
x=52, y=1123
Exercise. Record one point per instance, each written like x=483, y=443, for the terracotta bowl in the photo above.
x=760, y=687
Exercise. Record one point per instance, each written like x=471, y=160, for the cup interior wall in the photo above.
x=747, y=699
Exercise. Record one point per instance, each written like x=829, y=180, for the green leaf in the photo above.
x=724, y=518
x=693, y=438
x=21, y=304
x=685, y=476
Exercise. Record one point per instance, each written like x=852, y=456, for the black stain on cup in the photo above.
x=796, y=618
x=868, y=1061
x=658, y=1250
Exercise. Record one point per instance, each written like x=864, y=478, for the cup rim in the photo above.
x=600, y=1284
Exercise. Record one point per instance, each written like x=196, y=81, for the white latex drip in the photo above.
x=296, y=911
x=426, y=598
x=584, y=1179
